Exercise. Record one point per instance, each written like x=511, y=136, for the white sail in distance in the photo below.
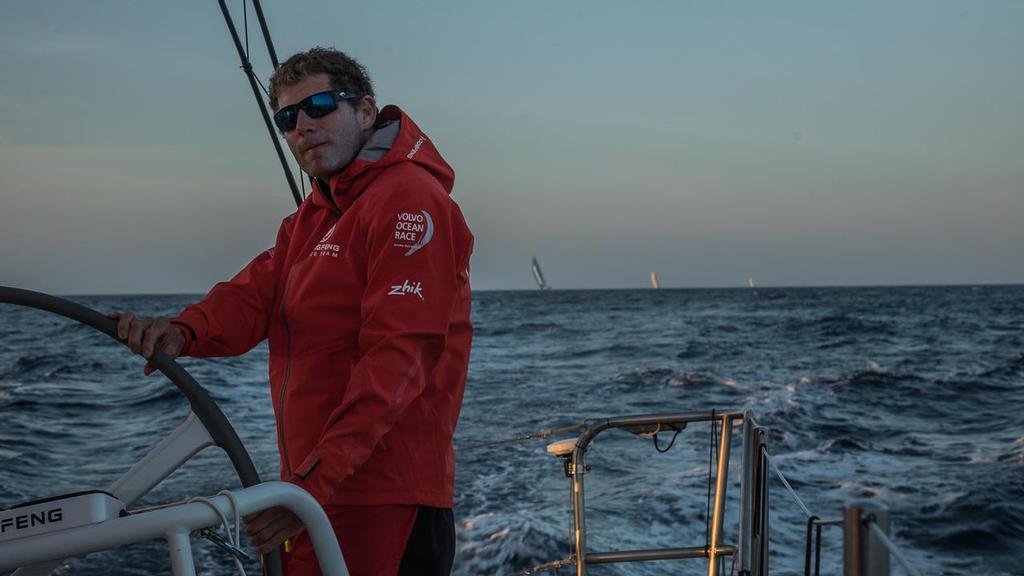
x=539, y=276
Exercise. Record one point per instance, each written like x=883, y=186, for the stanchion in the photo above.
x=864, y=554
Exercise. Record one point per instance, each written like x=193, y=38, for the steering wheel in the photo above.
x=206, y=425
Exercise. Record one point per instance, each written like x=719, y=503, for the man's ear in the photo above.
x=366, y=113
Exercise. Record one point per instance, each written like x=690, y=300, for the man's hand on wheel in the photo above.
x=143, y=335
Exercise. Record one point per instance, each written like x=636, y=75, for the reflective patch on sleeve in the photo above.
x=307, y=467
x=413, y=230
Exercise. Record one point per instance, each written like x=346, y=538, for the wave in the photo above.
x=1013, y=368
x=693, y=350
x=841, y=324
x=988, y=519
x=618, y=349
x=875, y=376
x=26, y=367
x=649, y=378
x=520, y=328
x=695, y=379
x=35, y=368
x=842, y=445
x=500, y=543
x=161, y=393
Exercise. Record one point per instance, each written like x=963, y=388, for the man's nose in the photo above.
x=303, y=121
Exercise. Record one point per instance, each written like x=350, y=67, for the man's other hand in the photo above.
x=143, y=335
x=270, y=528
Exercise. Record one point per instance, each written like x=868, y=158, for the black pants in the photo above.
x=430, y=549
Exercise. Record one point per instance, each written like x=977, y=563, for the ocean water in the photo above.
x=912, y=396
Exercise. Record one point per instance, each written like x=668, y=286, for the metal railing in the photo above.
x=714, y=550
x=866, y=544
x=867, y=547
x=176, y=524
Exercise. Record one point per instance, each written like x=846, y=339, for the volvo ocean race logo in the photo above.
x=413, y=231
x=406, y=287
x=325, y=247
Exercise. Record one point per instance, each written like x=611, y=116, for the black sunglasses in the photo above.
x=316, y=106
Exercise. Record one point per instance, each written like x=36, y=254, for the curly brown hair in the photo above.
x=343, y=70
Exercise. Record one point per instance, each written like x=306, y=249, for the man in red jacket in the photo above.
x=365, y=301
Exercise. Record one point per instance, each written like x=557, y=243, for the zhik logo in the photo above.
x=406, y=287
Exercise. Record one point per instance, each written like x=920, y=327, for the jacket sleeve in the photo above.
x=417, y=249
x=234, y=316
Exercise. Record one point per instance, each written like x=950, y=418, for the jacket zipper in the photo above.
x=325, y=191
x=288, y=365
x=287, y=376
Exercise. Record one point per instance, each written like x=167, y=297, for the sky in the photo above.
x=797, y=143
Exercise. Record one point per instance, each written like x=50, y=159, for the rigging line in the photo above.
x=880, y=534
x=245, y=25
x=785, y=483
x=256, y=91
x=266, y=33
x=262, y=87
x=521, y=437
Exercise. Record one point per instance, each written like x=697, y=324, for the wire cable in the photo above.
x=521, y=437
x=234, y=540
x=880, y=534
x=785, y=483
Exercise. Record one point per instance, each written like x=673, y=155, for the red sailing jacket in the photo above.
x=365, y=300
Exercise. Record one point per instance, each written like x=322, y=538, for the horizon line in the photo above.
x=645, y=289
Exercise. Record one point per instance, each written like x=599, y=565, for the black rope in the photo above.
x=807, y=545
x=767, y=545
x=670, y=443
x=245, y=25
x=262, y=87
x=707, y=511
x=767, y=512
x=817, y=554
x=248, y=69
x=764, y=507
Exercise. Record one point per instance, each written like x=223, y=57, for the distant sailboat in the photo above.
x=750, y=283
x=539, y=276
x=654, y=281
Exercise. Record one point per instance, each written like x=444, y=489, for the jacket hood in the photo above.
x=395, y=139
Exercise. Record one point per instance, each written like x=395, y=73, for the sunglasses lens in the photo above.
x=285, y=118
x=316, y=106
x=320, y=105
